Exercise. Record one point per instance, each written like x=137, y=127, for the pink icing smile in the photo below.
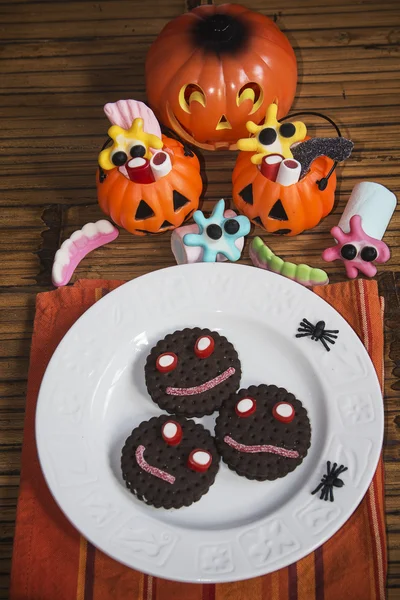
x=143, y=464
x=262, y=448
x=204, y=387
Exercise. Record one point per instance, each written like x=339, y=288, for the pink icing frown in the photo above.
x=204, y=387
x=260, y=448
x=143, y=464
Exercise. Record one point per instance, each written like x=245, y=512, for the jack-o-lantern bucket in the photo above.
x=214, y=68
x=143, y=208
x=283, y=210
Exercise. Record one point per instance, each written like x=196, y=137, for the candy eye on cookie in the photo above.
x=284, y=412
x=245, y=407
x=204, y=346
x=171, y=433
x=166, y=362
x=199, y=460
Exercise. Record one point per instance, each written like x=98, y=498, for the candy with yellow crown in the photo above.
x=272, y=137
x=128, y=143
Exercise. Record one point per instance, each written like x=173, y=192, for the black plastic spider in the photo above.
x=317, y=333
x=330, y=480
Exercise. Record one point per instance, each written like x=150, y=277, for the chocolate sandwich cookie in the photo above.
x=263, y=432
x=169, y=461
x=191, y=372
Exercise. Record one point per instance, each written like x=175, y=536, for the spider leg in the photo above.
x=300, y=335
x=328, y=466
x=322, y=496
x=333, y=472
x=331, y=494
x=340, y=470
x=332, y=331
x=329, y=337
x=326, y=493
x=303, y=327
x=318, y=488
x=328, y=333
x=325, y=345
x=308, y=323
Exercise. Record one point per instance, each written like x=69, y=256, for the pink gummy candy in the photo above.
x=75, y=248
x=124, y=112
x=358, y=238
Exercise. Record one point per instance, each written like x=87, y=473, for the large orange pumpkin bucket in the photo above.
x=215, y=67
x=143, y=208
x=285, y=210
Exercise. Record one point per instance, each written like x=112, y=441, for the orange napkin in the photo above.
x=52, y=561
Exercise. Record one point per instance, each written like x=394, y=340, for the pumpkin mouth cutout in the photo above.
x=223, y=123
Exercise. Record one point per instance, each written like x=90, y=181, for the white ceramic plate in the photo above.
x=93, y=395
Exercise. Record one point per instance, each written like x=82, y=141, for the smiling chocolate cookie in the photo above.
x=191, y=372
x=263, y=432
x=169, y=461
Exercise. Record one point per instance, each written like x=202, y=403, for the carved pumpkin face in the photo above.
x=214, y=68
x=283, y=210
x=153, y=207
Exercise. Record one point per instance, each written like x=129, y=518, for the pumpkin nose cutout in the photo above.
x=278, y=212
x=223, y=123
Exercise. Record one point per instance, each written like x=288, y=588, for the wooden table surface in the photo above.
x=62, y=61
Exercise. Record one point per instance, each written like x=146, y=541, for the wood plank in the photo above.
x=61, y=62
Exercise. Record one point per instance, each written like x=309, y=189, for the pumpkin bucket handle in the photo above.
x=102, y=173
x=322, y=183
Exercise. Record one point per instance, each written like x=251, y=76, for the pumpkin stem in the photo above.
x=220, y=33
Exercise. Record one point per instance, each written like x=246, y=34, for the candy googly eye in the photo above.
x=245, y=407
x=119, y=158
x=199, y=460
x=348, y=252
x=137, y=151
x=287, y=130
x=369, y=253
x=267, y=136
x=171, y=432
x=231, y=226
x=204, y=346
x=284, y=412
x=166, y=362
x=214, y=231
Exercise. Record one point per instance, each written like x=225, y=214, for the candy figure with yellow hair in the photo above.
x=272, y=137
x=128, y=143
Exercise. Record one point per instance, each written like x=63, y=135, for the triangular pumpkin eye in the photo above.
x=258, y=221
x=278, y=212
x=144, y=211
x=166, y=224
x=247, y=194
x=179, y=200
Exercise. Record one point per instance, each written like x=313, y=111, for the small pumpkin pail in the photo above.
x=283, y=210
x=153, y=207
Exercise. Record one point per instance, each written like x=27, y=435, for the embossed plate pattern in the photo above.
x=93, y=395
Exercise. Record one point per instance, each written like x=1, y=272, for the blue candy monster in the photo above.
x=217, y=234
